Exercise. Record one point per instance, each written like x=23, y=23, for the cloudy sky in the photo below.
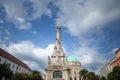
x=90, y=30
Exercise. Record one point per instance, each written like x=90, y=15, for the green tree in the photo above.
x=110, y=76
x=20, y=76
x=83, y=73
x=5, y=72
x=35, y=72
x=115, y=74
x=70, y=78
x=102, y=78
x=35, y=75
x=92, y=76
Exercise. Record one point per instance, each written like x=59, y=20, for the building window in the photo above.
x=5, y=62
x=9, y=64
x=57, y=74
x=13, y=66
x=17, y=68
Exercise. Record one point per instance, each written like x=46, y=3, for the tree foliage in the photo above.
x=70, y=78
x=103, y=78
x=83, y=73
x=92, y=76
x=115, y=74
x=86, y=75
x=34, y=72
x=20, y=76
x=5, y=71
x=34, y=76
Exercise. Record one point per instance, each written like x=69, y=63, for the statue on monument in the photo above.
x=49, y=61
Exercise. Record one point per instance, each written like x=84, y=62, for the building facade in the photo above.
x=109, y=67
x=116, y=60
x=105, y=70
x=61, y=67
x=42, y=75
x=15, y=64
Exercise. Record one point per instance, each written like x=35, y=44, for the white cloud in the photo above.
x=114, y=50
x=0, y=32
x=1, y=21
x=14, y=8
x=81, y=19
x=34, y=32
x=22, y=24
x=16, y=13
x=6, y=38
x=40, y=8
x=7, y=32
x=1, y=41
x=35, y=57
x=90, y=57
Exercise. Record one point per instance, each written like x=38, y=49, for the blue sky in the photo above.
x=90, y=30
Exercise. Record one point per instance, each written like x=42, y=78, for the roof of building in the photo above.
x=13, y=59
x=72, y=59
x=117, y=50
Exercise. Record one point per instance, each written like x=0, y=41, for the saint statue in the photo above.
x=49, y=61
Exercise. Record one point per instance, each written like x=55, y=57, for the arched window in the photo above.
x=57, y=74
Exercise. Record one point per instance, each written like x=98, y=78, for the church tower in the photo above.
x=61, y=67
x=58, y=56
x=57, y=62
